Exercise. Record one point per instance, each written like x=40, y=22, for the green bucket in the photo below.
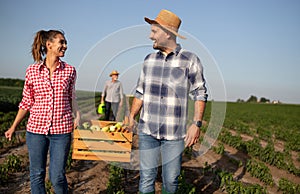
x=101, y=108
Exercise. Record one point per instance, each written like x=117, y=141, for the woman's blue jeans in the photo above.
x=59, y=147
x=153, y=153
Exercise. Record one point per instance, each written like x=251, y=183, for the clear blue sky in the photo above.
x=254, y=45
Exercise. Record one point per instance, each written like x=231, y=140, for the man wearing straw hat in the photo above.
x=167, y=78
x=112, y=95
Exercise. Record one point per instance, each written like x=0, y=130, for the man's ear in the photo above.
x=170, y=35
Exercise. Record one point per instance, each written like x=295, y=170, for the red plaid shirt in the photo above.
x=49, y=100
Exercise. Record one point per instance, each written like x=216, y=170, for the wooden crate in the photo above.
x=99, y=145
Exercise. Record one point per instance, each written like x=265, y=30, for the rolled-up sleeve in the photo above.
x=28, y=94
x=198, y=90
x=139, y=92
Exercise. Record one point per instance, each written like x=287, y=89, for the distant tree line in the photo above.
x=254, y=99
x=11, y=82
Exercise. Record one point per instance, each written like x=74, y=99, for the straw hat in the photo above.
x=168, y=20
x=114, y=72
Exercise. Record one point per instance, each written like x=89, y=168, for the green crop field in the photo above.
x=279, y=121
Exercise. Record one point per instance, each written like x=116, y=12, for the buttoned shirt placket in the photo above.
x=49, y=98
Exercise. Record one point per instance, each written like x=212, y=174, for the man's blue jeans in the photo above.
x=59, y=147
x=153, y=153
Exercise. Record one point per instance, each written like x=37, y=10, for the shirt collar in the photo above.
x=176, y=50
x=60, y=65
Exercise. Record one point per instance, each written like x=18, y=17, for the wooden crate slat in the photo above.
x=83, y=152
x=100, y=135
x=98, y=145
x=104, y=158
x=128, y=136
x=87, y=155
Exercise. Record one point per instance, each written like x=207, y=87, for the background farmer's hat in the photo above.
x=168, y=20
x=114, y=72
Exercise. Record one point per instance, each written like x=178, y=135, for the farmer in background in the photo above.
x=49, y=96
x=112, y=96
x=166, y=80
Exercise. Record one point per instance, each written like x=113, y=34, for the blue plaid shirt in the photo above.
x=164, y=85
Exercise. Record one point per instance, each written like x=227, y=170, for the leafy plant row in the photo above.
x=259, y=170
x=267, y=154
x=12, y=163
x=236, y=187
x=229, y=184
x=288, y=187
x=116, y=176
x=255, y=168
x=266, y=120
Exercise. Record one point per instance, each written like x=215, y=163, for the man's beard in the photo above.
x=158, y=47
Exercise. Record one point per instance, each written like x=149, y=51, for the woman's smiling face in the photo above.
x=57, y=46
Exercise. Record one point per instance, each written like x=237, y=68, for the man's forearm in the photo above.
x=135, y=107
x=199, y=110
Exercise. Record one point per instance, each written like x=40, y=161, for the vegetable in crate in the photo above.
x=112, y=128
x=118, y=125
x=86, y=125
x=105, y=129
x=95, y=128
